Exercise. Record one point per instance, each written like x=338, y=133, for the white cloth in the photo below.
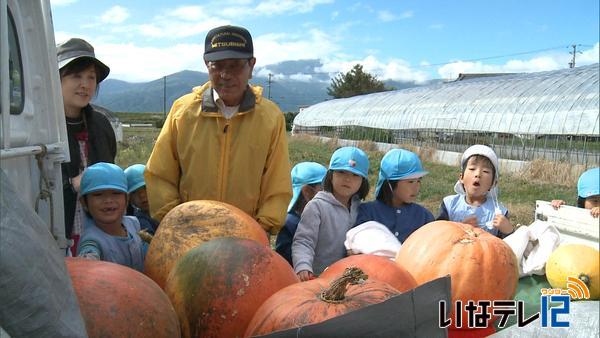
x=372, y=238
x=533, y=245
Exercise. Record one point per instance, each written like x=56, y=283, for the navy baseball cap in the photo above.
x=228, y=42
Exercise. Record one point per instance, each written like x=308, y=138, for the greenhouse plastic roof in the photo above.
x=562, y=102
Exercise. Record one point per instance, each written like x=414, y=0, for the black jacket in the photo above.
x=102, y=148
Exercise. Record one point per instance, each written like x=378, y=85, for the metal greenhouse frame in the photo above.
x=550, y=115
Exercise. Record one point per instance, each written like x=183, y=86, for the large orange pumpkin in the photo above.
x=481, y=266
x=117, y=301
x=191, y=224
x=316, y=300
x=217, y=287
x=377, y=267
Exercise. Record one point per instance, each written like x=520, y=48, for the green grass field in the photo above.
x=518, y=192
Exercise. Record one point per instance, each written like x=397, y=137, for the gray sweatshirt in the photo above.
x=319, y=239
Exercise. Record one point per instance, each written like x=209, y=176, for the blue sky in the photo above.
x=400, y=40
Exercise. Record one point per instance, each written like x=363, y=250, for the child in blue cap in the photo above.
x=588, y=192
x=306, y=182
x=138, y=200
x=396, y=192
x=108, y=234
x=319, y=239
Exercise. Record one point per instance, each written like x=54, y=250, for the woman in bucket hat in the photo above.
x=91, y=137
x=108, y=234
x=306, y=182
x=397, y=189
x=588, y=192
x=319, y=239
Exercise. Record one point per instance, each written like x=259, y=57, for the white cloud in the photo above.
x=178, y=29
x=274, y=48
x=436, y=26
x=386, y=16
x=133, y=63
x=275, y=7
x=407, y=14
x=334, y=15
x=115, y=15
x=394, y=69
x=189, y=13
x=62, y=2
x=545, y=62
x=301, y=77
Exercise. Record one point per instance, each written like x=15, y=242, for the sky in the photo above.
x=402, y=40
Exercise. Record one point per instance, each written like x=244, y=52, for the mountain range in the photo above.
x=294, y=84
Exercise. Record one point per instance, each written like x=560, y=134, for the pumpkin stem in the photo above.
x=585, y=279
x=337, y=290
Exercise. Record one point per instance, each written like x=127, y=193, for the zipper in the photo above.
x=224, y=160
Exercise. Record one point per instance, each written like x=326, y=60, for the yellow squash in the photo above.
x=575, y=260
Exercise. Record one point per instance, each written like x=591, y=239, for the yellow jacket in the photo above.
x=243, y=161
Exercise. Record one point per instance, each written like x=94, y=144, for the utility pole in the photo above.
x=574, y=52
x=269, y=86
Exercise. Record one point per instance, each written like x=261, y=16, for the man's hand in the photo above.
x=305, y=275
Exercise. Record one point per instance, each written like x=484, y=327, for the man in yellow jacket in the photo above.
x=223, y=141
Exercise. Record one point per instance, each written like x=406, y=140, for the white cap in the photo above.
x=479, y=149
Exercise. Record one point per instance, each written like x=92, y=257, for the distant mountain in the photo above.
x=293, y=84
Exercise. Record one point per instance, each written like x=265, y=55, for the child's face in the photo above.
x=107, y=206
x=345, y=183
x=406, y=191
x=592, y=202
x=140, y=199
x=477, y=178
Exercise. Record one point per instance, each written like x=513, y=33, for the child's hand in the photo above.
x=349, y=252
x=557, y=203
x=305, y=275
x=595, y=211
x=75, y=182
x=502, y=223
x=471, y=220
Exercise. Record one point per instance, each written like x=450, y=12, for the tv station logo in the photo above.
x=553, y=302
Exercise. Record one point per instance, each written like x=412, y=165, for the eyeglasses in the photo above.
x=232, y=67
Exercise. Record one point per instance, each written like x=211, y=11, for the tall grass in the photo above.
x=518, y=192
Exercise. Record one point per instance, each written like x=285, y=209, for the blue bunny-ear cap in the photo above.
x=399, y=164
x=103, y=176
x=350, y=159
x=305, y=173
x=589, y=183
x=135, y=177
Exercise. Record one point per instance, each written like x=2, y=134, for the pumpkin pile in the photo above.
x=217, y=287
x=117, y=301
x=190, y=224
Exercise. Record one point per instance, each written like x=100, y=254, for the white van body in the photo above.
x=33, y=135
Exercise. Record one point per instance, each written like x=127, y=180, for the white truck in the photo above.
x=36, y=295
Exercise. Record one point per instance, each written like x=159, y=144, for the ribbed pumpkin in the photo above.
x=117, y=301
x=316, y=300
x=575, y=260
x=191, y=224
x=376, y=267
x=217, y=287
x=481, y=266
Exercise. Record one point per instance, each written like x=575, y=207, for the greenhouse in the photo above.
x=551, y=115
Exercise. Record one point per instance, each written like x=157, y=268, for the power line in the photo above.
x=496, y=57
